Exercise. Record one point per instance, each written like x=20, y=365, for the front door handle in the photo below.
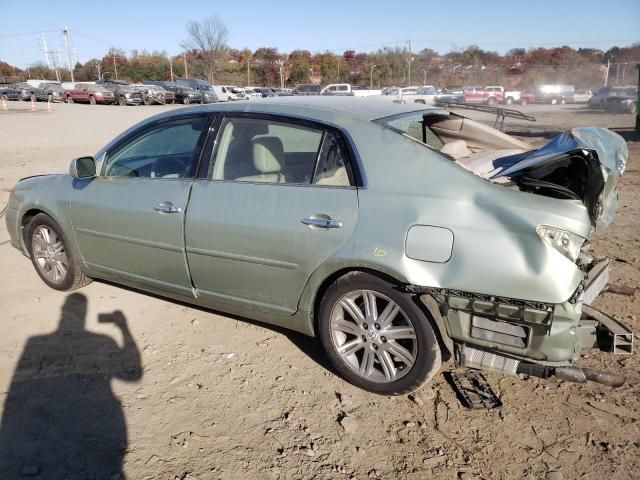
x=321, y=222
x=167, y=207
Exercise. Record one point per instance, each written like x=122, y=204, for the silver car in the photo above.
x=398, y=235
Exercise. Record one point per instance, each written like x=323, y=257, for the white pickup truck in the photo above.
x=345, y=89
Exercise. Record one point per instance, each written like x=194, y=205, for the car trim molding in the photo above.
x=139, y=278
x=135, y=241
x=244, y=258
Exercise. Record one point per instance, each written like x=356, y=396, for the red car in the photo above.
x=89, y=93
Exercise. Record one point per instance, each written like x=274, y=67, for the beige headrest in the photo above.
x=268, y=154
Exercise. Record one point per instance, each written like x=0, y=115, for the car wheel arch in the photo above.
x=25, y=220
x=428, y=305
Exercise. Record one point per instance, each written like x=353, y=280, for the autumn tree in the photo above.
x=208, y=38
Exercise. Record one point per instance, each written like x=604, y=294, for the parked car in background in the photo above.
x=154, y=94
x=554, y=94
x=491, y=95
x=425, y=95
x=250, y=93
x=450, y=94
x=625, y=101
x=123, y=92
x=266, y=92
x=182, y=94
x=90, y=93
x=226, y=93
x=52, y=91
x=527, y=96
x=582, y=96
x=346, y=89
x=601, y=95
x=306, y=89
x=16, y=91
x=283, y=92
x=202, y=86
x=483, y=254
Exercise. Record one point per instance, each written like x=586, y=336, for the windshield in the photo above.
x=414, y=126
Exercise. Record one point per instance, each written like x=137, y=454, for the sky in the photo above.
x=317, y=26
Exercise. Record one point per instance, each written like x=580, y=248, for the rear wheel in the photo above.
x=491, y=101
x=69, y=99
x=509, y=101
x=554, y=101
x=376, y=336
x=92, y=100
x=633, y=108
x=56, y=265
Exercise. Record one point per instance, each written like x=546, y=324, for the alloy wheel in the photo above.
x=50, y=254
x=373, y=336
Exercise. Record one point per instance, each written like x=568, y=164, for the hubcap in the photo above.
x=382, y=353
x=49, y=254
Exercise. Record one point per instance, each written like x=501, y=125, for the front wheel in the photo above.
x=377, y=337
x=509, y=101
x=186, y=101
x=48, y=248
x=92, y=100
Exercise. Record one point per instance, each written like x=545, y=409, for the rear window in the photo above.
x=412, y=125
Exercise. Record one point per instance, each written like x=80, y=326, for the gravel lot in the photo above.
x=186, y=393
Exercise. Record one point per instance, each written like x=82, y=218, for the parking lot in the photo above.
x=210, y=396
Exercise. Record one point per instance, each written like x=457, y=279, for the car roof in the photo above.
x=363, y=108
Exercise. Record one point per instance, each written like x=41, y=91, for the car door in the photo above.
x=278, y=200
x=128, y=221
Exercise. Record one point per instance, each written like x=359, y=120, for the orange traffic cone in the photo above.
x=33, y=106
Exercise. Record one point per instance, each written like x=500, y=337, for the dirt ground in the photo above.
x=174, y=392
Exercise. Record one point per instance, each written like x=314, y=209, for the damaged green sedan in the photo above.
x=398, y=235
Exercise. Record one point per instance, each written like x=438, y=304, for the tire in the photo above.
x=186, y=101
x=508, y=101
x=376, y=363
x=92, y=100
x=67, y=275
x=554, y=101
x=69, y=99
x=33, y=98
x=524, y=101
x=633, y=109
x=563, y=101
x=122, y=101
x=491, y=101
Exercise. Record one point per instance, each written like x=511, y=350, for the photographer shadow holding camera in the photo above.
x=61, y=419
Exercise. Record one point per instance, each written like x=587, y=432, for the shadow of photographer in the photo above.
x=61, y=418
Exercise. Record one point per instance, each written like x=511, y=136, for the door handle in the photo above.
x=321, y=222
x=167, y=207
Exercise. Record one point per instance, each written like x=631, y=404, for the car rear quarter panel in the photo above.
x=496, y=249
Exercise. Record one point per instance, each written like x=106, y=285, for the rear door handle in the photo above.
x=167, y=207
x=321, y=222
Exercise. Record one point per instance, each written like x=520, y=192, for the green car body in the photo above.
x=468, y=247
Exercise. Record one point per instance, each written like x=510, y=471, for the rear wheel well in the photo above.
x=438, y=326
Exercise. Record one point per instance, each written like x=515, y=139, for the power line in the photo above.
x=29, y=33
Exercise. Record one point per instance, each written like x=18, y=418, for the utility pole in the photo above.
x=186, y=72
x=606, y=78
x=410, y=59
x=371, y=77
x=424, y=77
x=281, y=77
x=170, y=68
x=66, y=41
x=338, y=79
x=248, y=73
x=46, y=51
x=115, y=66
x=98, y=65
x=54, y=57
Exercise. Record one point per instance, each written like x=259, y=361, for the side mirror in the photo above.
x=82, y=167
